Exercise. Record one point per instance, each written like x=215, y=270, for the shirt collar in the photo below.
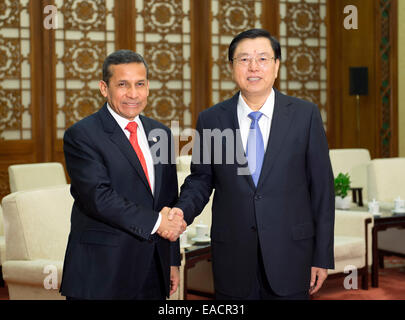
x=266, y=109
x=122, y=122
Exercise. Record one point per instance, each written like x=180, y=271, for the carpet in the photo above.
x=391, y=285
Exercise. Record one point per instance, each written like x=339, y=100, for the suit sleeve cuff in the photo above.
x=157, y=224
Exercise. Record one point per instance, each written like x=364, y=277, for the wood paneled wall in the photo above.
x=364, y=47
x=372, y=45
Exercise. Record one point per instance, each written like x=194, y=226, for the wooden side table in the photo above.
x=193, y=255
x=385, y=221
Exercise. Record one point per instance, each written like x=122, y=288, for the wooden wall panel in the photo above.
x=355, y=48
x=58, y=99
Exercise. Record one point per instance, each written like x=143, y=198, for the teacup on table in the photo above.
x=374, y=207
x=399, y=205
x=201, y=231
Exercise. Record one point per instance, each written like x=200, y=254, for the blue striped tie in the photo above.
x=255, y=147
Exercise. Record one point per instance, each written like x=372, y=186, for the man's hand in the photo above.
x=173, y=228
x=174, y=279
x=175, y=211
x=318, y=276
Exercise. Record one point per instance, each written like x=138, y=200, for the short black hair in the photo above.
x=122, y=57
x=252, y=34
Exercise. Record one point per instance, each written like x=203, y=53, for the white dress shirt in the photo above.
x=264, y=122
x=144, y=145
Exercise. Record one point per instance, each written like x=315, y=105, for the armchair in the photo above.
x=2, y=247
x=386, y=181
x=354, y=162
x=36, y=225
x=352, y=245
x=35, y=175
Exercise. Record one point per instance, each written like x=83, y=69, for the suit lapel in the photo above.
x=148, y=127
x=229, y=119
x=118, y=137
x=280, y=126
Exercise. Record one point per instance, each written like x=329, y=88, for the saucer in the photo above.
x=186, y=245
x=201, y=239
x=398, y=211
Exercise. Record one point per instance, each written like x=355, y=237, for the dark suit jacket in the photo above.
x=110, y=246
x=290, y=215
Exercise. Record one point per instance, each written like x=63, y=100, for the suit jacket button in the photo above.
x=254, y=229
x=258, y=197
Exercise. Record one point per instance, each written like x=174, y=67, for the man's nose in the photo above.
x=132, y=92
x=253, y=64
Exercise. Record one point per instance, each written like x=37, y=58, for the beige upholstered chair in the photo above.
x=199, y=278
x=354, y=162
x=35, y=175
x=386, y=181
x=352, y=244
x=36, y=225
x=2, y=246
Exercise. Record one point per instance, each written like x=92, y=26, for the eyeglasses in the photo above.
x=260, y=60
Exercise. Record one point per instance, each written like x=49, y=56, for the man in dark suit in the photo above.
x=120, y=191
x=272, y=221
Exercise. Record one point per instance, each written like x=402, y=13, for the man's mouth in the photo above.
x=252, y=79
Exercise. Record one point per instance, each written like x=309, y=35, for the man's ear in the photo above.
x=103, y=88
x=230, y=66
x=277, y=69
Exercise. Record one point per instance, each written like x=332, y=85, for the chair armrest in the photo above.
x=351, y=223
x=31, y=271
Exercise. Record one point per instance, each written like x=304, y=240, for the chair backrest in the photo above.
x=37, y=223
x=1, y=222
x=183, y=170
x=183, y=163
x=386, y=179
x=354, y=162
x=35, y=175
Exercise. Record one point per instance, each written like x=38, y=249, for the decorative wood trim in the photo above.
x=125, y=24
x=387, y=84
x=271, y=16
x=271, y=22
x=201, y=64
x=335, y=18
x=48, y=100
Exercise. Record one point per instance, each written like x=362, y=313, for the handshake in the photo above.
x=172, y=224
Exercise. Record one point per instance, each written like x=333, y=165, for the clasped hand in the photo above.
x=172, y=224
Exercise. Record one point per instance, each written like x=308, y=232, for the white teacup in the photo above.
x=374, y=207
x=399, y=204
x=201, y=230
x=183, y=239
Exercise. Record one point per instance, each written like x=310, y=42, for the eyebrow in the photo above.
x=248, y=54
x=125, y=80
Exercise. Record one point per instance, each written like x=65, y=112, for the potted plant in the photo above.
x=342, y=187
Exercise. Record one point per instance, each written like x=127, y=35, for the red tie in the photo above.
x=133, y=138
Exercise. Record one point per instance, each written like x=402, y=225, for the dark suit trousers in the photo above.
x=153, y=286
x=261, y=289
